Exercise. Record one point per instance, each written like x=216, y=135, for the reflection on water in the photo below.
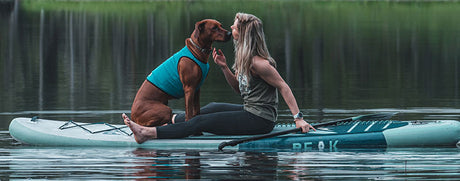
x=122, y=163
x=346, y=55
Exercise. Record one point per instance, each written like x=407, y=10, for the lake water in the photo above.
x=129, y=164
x=84, y=61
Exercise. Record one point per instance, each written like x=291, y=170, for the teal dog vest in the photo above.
x=166, y=76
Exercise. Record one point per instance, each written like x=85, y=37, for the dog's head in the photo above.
x=210, y=30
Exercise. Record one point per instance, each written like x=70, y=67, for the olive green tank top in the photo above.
x=259, y=97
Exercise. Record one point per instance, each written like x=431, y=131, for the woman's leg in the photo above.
x=221, y=123
x=212, y=107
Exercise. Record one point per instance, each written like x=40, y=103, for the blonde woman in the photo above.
x=255, y=79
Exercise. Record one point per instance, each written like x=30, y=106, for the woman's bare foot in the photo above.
x=173, y=119
x=141, y=133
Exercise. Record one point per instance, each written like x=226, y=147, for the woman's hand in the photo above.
x=300, y=123
x=219, y=58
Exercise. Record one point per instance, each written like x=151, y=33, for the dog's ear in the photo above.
x=199, y=26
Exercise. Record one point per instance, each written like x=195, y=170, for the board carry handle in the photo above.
x=369, y=117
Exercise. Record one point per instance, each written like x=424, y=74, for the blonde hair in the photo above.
x=251, y=42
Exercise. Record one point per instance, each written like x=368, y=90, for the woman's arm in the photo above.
x=269, y=74
x=219, y=59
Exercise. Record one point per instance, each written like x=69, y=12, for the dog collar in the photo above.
x=206, y=51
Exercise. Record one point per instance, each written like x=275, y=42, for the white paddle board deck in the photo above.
x=357, y=134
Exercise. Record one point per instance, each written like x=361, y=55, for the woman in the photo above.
x=255, y=78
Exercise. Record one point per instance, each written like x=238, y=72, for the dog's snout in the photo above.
x=228, y=35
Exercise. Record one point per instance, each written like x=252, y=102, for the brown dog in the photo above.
x=178, y=77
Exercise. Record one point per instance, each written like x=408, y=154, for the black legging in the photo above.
x=219, y=119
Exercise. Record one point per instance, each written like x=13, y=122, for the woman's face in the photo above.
x=235, y=30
